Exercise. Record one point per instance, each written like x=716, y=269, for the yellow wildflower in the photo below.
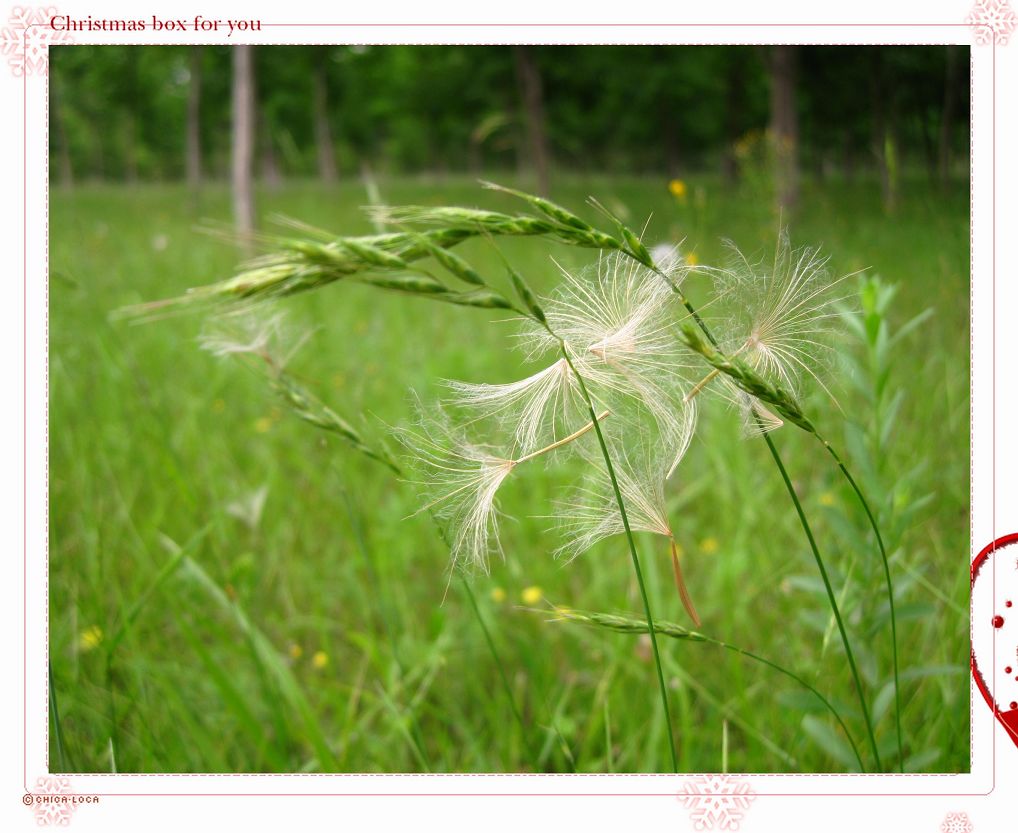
x=498, y=595
x=320, y=660
x=90, y=638
x=709, y=545
x=691, y=259
x=532, y=595
x=827, y=499
x=678, y=188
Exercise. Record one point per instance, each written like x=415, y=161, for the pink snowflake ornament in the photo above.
x=956, y=823
x=27, y=37
x=716, y=802
x=993, y=21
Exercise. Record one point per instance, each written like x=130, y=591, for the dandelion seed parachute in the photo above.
x=459, y=480
x=780, y=315
x=618, y=323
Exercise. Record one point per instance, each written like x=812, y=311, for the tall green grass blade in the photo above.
x=58, y=730
x=234, y=700
x=889, y=586
x=830, y=596
x=167, y=570
x=629, y=624
x=821, y=734
x=271, y=660
x=633, y=554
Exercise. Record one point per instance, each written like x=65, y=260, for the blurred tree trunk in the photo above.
x=243, y=143
x=735, y=79
x=193, y=160
x=947, y=115
x=929, y=149
x=323, y=131
x=272, y=176
x=884, y=138
x=63, y=145
x=673, y=153
x=848, y=156
x=531, y=94
x=130, y=149
x=785, y=125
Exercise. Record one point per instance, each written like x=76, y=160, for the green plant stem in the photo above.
x=633, y=554
x=57, y=726
x=830, y=597
x=890, y=590
x=869, y=514
x=416, y=737
x=628, y=625
x=801, y=682
x=501, y=668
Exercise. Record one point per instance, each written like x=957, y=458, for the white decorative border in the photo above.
x=870, y=22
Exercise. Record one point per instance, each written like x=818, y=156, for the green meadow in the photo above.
x=232, y=590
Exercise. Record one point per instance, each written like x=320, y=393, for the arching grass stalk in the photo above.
x=626, y=624
x=534, y=311
x=830, y=597
x=631, y=246
x=517, y=714
x=385, y=262
x=751, y=382
x=633, y=554
x=890, y=588
x=640, y=254
x=309, y=408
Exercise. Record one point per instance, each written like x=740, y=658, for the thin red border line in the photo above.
x=613, y=25
x=24, y=409
x=429, y=794
x=911, y=775
x=993, y=372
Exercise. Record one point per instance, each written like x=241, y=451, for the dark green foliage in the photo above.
x=670, y=109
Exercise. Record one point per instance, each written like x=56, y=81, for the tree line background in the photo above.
x=165, y=113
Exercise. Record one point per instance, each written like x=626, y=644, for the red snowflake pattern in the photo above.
x=27, y=37
x=716, y=802
x=993, y=21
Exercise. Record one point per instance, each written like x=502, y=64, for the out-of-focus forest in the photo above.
x=130, y=114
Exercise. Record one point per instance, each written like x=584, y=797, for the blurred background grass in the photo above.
x=152, y=440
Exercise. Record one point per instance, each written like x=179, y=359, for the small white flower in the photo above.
x=248, y=508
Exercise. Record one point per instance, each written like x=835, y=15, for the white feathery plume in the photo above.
x=618, y=324
x=780, y=315
x=593, y=514
x=252, y=332
x=460, y=480
x=539, y=409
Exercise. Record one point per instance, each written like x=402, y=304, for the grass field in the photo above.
x=312, y=635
